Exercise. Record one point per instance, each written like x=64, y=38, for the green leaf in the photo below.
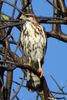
x=5, y=17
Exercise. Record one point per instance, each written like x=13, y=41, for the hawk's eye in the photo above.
x=27, y=15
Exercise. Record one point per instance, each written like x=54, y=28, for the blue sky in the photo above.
x=55, y=62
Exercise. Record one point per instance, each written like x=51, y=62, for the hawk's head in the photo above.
x=29, y=17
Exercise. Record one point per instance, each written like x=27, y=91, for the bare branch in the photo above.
x=63, y=8
x=16, y=95
x=10, y=60
x=52, y=20
x=12, y=24
x=56, y=28
x=26, y=4
x=14, y=8
x=58, y=35
x=57, y=84
x=12, y=5
x=9, y=79
x=60, y=93
x=18, y=89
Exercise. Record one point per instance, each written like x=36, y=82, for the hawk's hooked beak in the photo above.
x=22, y=17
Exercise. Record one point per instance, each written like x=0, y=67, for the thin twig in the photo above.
x=9, y=30
x=14, y=8
x=16, y=95
x=18, y=89
x=12, y=5
x=52, y=20
x=53, y=5
x=60, y=93
x=57, y=84
x=11, y=20
x=10, y=25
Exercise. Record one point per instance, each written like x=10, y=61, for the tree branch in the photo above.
x=56, y=28
x=18, y=89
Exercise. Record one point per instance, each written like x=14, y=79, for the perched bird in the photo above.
x=33, y=39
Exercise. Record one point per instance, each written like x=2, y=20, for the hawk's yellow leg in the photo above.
x=40, y=69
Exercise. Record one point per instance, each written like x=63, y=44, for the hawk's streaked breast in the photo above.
x=33, y=40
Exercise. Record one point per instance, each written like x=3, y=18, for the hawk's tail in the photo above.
x=33, y=81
